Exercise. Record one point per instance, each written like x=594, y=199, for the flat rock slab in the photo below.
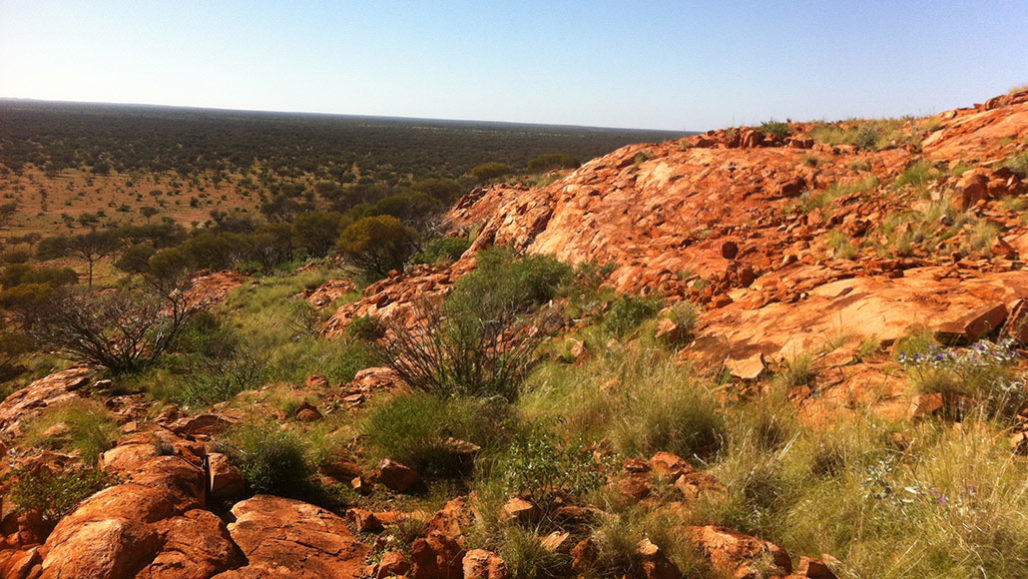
x=289, y=538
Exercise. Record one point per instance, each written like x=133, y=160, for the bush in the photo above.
x=480, y=341
x=120, y=330
x=54, y=495
x=985, y=372
x=274, y=461
x=443, y=249
x=21, y=273
x=538, y=465
x=84, y=426
x=317, y=232
x=489, y=171
x=627, y=312
x=136, y=259
x=552, y=162
x=684, y=316
x=366, y=328
x=416, y=430
x=775, y=128
x=379, y=244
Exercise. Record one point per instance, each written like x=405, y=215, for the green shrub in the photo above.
x=479, y=342
x=366, y=328
x=985, y=372
x=489, y=171
x=415, y=430
x=54, y=495
x=537, y=464
x=274, y=461
x=798, y=371
x=627, y=312
x=775, y=128
x=443, y=249
x=684, y=316
x=87, y=428
x=316, y=232
x=552, y=162
x=378, y=244
x=918, y=173
x=354, y=357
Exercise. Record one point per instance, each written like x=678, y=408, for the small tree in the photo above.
x=119, y=330
x=316, y=232
x=94, y=246
x=148, y=212
x=379, y=244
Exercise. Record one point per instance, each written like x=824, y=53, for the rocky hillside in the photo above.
x=833, y=387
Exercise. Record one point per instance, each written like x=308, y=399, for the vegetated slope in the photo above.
x=806, y=424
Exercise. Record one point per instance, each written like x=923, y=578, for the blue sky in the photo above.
x=647, y=64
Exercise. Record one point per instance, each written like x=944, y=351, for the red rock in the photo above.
x=453, y=520
x=814, y=569
x=669, y=465
x=436, y=556
x=584, y=555
x=201, y=424
x=521, y=511
x=925, y=405
x=655, y=564
x=729, y=249
x=738, y=554
x=307, y=413
x=721, y=301
x=365, y=521
x=1016, y=327
x=482, y=564
x=635, y=488
x=316, y=381
x=288, y=538
x=396, y=476
x=974, y=325
x=792, y=187
x=974, y=188
x=393, y=563
x=693, y=485
x=224, y=479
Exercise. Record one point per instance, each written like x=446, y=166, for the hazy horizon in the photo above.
x=654, y=66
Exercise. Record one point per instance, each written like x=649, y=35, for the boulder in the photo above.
x=973, y=325
x=583, y=555
x=521, y=510
x=436, y=556
x=482, y=564
x=737, y=554
x=814, y=569
x=288, y=538
x=398, y=477
x=655, y=564
x=393, y=563
x=224, y=478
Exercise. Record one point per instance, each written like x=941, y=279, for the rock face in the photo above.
x=288, y=538
x=29, y=401
x=152, y=526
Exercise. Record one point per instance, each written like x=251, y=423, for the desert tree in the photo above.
x=94, y=246
x=378, y=244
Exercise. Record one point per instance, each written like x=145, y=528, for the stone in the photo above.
x=814, y=569
x=317, y=382
x=974, y=325
x=737, y=554
x=792, y=187
x=521, y=510
x=307, y=413
x=365, y=521
x=454, y=519
x=655, y=564
x=557, y=542
x=583, y=555
x=224, y=479
x=926, y=405
x=393, y=564
x=746, y=369
x=284, y=537
x=395, y=476
x=482, y=564
x=729, y=249
x=634, y=488
x=436, y=556
x=973, y=188
x=669, y=465
x=1016, y=327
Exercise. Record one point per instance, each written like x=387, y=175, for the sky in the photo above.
x=643, y=64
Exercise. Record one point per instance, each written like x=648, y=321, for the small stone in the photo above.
x=317, y=381
x=520, y=510
x=396, y=476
